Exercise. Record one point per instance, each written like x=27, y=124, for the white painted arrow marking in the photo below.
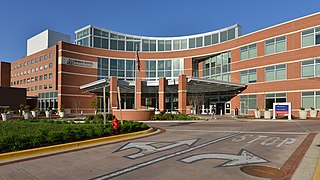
x=146, y=147
x=162, y=158
x=244, y=157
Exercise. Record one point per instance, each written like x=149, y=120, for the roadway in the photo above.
x=218, y=149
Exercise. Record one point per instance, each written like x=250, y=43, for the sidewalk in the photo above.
x=309, y=167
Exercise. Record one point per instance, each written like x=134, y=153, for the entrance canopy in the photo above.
x=194, y=85
x=205, y=85
x=97, y=86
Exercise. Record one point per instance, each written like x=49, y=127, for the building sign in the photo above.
x=77, y=62
x=282, y=108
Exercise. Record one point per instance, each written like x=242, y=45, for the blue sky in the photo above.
x=22, y=19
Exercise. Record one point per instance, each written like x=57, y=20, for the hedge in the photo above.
x=26, y=134
x=173, y=117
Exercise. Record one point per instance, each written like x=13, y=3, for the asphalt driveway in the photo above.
x=218, y=149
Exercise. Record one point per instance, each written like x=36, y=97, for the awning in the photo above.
x=194, y=85
x=205, y=85
x=97, y=86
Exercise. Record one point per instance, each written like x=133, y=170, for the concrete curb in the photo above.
x=309, y=167
x=60, y=147
x=174, y=121
x=317, y=173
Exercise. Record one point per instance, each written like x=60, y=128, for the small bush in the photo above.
x=90, y=117
x=172, y=117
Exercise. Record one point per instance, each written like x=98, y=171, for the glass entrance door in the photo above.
x=227, y=107
x=243, y=107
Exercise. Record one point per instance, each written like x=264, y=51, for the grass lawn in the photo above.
x=26, y=134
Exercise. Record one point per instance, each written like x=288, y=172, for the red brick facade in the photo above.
x=67, y=78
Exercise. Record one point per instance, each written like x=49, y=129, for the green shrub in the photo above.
x=90, y=117
x=132, y=126
x=172, y=117
x=25, y=134
x=100, y=117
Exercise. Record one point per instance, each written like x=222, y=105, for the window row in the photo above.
x=32, y=61
x=271, y=46
x=250, y=101
x=35, y=88
x=309, y=37
x=272, y=73
x=122, y=68
x=163, y=68
x=48, y=95
x=309, y=99
x=309, y=68
x=30, y=71
x=94, y=37
x=32, y=79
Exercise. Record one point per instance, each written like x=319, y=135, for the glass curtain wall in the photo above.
x=121, y=68
x=163, y=68
x=100, y=38
x=217, y=67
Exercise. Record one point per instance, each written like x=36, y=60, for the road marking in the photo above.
x=244, y=157
x=264, y=140
x=156, y=160
x=146, y=148
x=242, y=132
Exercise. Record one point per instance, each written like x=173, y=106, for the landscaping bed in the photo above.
x=18, y=135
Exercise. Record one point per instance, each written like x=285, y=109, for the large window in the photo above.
x=148, y=45
x=275, y=45
x=247, y=102
x=103, y=65
x=217, y=67
x=310, y=68
x=310, y=37
x=164, y=45
x=248, y=76
x=274, y=98
x=311, y=99
x=123, y=69
x=248, y=52
x=163, y=68
x=273, y=73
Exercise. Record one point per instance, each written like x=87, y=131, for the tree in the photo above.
x=196, y=100
x=76, y=104
x=95, y=105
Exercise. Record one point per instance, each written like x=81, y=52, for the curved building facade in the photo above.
x=221, y=69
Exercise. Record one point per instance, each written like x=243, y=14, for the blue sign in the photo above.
x=282, y=109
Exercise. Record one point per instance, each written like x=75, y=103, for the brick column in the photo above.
x=162, y=95
x=139, y=93
x=182, y=94
x=113, y=92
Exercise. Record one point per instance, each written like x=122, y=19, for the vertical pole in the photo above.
x=108, y=104
x=119, y=100
x=135, y=87
x=104, y=107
